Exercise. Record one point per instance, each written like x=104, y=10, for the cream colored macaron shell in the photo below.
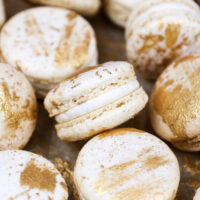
x=25, y=175
x=2, y=13
x=159, y=32
x=86, y=7
x=89, y=103
x=197, y=195
x=175, y=104
x=126, y=164
x=48, y=44
x=18, y=109
x=119, y=10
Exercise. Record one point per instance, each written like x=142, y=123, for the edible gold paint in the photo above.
x=122, y=131
x=80, y=54
x=35, y=177
x=150, y=41
x=13, y=118
x=118, y=175
x=172, y=33
x=63, y=50
x=180, y=105
x=33, y=28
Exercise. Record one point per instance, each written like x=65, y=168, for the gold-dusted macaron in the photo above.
x=161, y=31
x=175, y=104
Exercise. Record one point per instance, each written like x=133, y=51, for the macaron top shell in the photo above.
x=48, y=44
x=119, y=10
x=86, y=7
x=2, y=13
x=175, y=101
x=197, y=195
x=18, y=108
x=157, y=33
x=88, y=85
x=25, y=175
x=126, y=164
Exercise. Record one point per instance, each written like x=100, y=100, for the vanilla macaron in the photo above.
x=161, y=31
x=197, y=195
x=86, y=7
x=119, y=10
x=126, y=164
x=99, y=99
x=2, y=13
x=175, y=104
x=48, y=45
x=18, y=109
x=25, y=175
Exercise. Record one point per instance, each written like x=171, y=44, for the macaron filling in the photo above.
x=98, y=102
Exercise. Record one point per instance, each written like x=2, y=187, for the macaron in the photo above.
x=2, y=13
x=48, y=45
x=119, y=10
x=25, y=175
x=96, y=100
x=159, y=32
x=18, y=109
x=197, y=195
x=175, y=104
x=126, y=164
x=86, y=7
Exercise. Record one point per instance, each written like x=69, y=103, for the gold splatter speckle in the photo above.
x=35, y=177
x=172, y=33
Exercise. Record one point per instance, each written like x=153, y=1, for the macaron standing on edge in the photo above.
x=159, y=32
x=25, y=175
x=18, y=109
x=175, y=104
x=126, y=164
x=48, y=45
x=86, y=7
x=97, y=100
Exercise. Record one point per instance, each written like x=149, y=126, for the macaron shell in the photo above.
x=2, y=13
x=18, y=111
x=160, y=35
x=175, y=102
x=88, y=85
x=25, y=175
x=86, y=7
x=40, y=38
x=104, y=118
x=197, y=195
x=119, y=10
x=126, y=163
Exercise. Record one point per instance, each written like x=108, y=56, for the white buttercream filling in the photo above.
x=98, y=102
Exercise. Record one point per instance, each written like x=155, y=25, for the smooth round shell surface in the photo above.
x=48, y=45
x=175, y=104
x=18, y=109
x=25, y=175
x=157, y=33
x=88, y=104
x=126, y=164
x=119, y=10
x=86, y=7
